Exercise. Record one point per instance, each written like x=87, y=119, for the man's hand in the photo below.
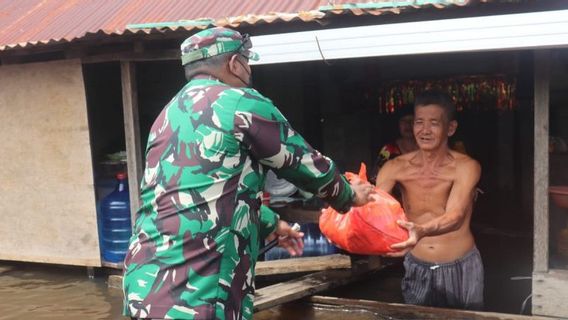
x=363, y=192
x=414, y=234
x=288, y=238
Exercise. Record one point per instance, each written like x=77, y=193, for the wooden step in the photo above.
x=283, y=292
x=406, y=311
x=284, y=266
x=307, y=264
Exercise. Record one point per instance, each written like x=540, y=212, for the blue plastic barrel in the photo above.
x=115, y=220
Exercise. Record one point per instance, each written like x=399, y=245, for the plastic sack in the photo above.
x=370, y=229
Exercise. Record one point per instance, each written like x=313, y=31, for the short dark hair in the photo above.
x=438, y=98
x=197, y=67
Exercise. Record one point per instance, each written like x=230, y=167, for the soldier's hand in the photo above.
x=363, y=192
x=288, y=238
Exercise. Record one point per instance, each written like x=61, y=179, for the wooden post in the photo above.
x=540, y=206
x=132, y=133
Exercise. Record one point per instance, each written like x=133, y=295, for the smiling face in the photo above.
x=432, y=127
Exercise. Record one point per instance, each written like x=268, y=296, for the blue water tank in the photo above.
x=115, y=220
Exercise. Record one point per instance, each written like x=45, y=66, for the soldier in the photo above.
x=198, y=231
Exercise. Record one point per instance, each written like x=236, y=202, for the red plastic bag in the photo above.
x=370, y=229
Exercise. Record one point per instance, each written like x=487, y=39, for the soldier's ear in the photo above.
x=232, y=64
x=452, y=127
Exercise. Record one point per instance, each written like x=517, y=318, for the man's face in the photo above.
x=240, y=69
x=247, y=72
x=431, y=127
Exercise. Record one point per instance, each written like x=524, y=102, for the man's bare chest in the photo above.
x=427, y=181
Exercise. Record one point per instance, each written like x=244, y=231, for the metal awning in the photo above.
x=501, y=32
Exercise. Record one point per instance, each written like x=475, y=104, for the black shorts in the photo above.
x=457, y=284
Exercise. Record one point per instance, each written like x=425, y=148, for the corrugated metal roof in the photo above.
x=31, y=22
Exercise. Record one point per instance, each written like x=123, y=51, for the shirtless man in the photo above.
x=443, y=266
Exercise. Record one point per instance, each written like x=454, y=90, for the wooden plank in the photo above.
x=72, y=258
x=550, y=292
x=112, y=265
x=115, y=281
x=308, y=264
x=280, y=293
x=541, y=106
x=284, y=266
x=405, y=311
x=47, y=196
x=132, y=133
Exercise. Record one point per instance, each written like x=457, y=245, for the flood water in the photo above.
x=40, y=291
x=305, y=311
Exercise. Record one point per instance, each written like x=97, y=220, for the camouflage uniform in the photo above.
x=197, y=234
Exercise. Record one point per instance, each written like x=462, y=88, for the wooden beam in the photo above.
x=308, y=264
x=138, y=46
x=266, y=268
x=132, y=133
x=11, y=60
x=74, y=53
x=284, y=292
x=540, y=207
x=406, y=311
x=162, y=55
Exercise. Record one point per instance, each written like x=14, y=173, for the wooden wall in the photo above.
x=47, y=205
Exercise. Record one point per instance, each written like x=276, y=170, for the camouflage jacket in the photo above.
x=198, y=231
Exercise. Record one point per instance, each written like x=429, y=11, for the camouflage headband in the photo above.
x=215, y=41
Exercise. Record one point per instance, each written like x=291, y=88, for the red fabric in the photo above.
x=370, y=229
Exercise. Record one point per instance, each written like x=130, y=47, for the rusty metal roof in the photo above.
x=31, y=22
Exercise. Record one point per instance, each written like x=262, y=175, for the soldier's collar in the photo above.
x=204, y=76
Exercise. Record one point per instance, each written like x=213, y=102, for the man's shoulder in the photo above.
x=400, y=162
x=463, y=160
x=245, y=95
x=405, y=158
x=250, y=93
x=466, y=166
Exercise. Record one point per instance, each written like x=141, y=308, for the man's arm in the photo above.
x=386, y=176
x=271, y=226
x=268, y=221
x=459, y=200
x=260, y=126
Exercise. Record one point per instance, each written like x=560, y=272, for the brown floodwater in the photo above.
x=40, y=291
x=306, y=311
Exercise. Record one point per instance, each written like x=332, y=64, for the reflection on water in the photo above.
x=37, y=291
x=306, y=311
